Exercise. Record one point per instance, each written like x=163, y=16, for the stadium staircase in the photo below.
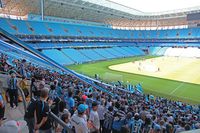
x=128, y=50
x=109, y=50
x=13, y=114
x=75, y=55
x=81, y=52
x=68, y=56
x=119, y=51
x=105, y=53
x=103, y=56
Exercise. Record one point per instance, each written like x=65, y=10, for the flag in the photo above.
x=147, y=99
x=139, y=88
x=130, y=88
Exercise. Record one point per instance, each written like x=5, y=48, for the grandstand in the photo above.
x=147, y=61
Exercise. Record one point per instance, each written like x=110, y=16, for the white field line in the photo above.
x=177, y=88
x=175, y=95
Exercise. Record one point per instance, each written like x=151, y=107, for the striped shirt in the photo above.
x=12, y=83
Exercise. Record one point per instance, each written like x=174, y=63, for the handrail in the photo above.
x=51, y=114
x=23, y=98
x=58, y=120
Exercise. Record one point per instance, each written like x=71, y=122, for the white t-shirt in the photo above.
x=79, y=123
x=84, y=116
x=94, y=117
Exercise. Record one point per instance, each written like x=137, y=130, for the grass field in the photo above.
x=172, y=89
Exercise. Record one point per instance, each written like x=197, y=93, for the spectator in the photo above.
x=59, y=89
x=169, y=128
x=71, y=102
x=107, y=125
x=101, y=112
x=52, y=92
x=94, y=118
x=66, y=118
x=119, y=118
x=23, y=68
x=23, y=84
x=147, y=125
x=29, y=115
x=33, y=88
x=159, y=114
x=78, y=121
x=63, y=109
x=136, y=125
x=187, y=127
x=181, y=128
x=42, y=122
x=13, y=90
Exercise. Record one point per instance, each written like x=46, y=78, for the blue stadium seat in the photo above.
x=57, y=56
x=75, y=55
x=64, y=29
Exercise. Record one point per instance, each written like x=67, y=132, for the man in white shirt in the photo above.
x=94, y=118
x=78, y=121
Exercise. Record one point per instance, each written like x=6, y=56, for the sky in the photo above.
x=158, y=5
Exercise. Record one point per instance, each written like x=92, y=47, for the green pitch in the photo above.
x=186, y=92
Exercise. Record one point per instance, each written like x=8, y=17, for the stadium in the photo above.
x=107, y=65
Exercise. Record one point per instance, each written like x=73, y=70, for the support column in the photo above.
x=42, y=9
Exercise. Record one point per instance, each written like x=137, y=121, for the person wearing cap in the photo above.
x=84, y=98
x=94, y=118
x=78, y=121
x=13, y=90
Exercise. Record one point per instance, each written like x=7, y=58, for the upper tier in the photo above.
x=21, y=27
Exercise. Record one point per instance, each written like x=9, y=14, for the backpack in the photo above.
x=29, y=113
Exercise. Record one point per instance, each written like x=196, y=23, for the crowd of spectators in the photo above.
x=86, y=109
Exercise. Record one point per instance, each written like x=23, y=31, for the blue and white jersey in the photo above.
x=12, y=83
x=136, y=126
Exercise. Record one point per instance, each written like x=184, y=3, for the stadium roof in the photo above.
x=103, y=11
x=158, y=6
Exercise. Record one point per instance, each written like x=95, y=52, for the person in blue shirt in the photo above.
x=136, y=124
x=71, y=102
x=23, y=69
x=59, y=89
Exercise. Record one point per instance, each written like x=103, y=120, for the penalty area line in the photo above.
x=177, y=88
